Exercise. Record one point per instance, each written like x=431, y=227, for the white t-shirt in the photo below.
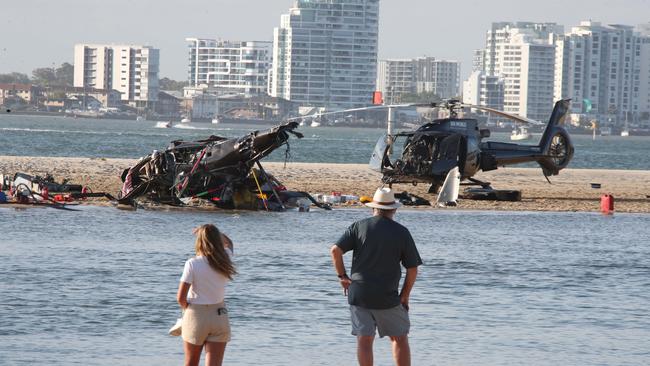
x=207, y=285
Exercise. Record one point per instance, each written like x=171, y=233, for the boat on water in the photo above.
x=215, y=120
x=185, y=120
x=520, y=133
x=163, y=124
x=139, y=118
x=626, y=130
x=315, y=124
x=606, y=131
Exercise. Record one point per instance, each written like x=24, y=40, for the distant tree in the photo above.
x=14, y=77
x=48, y=76
x=44, y=76
x=64, y=74
x=169, y=84
x=425, y=97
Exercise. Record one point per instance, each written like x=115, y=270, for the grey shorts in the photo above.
x=391, y=322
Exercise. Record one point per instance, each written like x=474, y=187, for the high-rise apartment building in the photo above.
x=644, y=71
x=130, y=69
x=439, y=77
x=325, y=53
x=600, y=68
x=235, y=67
x=484, y=90
x=522, y=55
x=502, y=33
x=396, y=77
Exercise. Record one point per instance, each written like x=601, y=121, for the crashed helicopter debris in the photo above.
x=223, y=171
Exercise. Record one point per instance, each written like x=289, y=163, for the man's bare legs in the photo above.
x=364, y=350
x=401, y=350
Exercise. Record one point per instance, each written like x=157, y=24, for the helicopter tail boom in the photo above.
x=553, y=153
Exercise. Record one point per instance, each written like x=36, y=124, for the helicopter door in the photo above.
x=379, y=157
x=451, y=153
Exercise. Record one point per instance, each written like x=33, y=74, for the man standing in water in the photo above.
x=379, y=246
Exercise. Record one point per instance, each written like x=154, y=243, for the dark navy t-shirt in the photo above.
x=379, y=246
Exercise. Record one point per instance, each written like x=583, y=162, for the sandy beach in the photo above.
x=570, y=191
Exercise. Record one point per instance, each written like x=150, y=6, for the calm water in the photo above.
x=57, y=136
x=98, y=287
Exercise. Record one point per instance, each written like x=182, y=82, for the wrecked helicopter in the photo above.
x=223, y=171
x=433, y=150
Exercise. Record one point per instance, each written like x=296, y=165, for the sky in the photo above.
x=42, y=33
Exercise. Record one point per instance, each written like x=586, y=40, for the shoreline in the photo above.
x=570, y=191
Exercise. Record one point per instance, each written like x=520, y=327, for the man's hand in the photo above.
x=404, y=300
x=345, y=283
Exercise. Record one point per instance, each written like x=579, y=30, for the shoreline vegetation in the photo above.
x=570, y=191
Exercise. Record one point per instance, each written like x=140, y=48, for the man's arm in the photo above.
x=339, y=267
x=409, y=281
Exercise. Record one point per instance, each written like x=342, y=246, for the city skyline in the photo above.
x=82, y=22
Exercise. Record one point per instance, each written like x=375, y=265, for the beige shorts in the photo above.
x=206, y=323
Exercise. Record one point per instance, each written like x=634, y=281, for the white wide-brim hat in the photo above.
x=384, y=199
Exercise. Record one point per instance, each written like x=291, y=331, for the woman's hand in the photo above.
x=181, y=296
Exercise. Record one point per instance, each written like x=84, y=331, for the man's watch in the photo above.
x=345, y=275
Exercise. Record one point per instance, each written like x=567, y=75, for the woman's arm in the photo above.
x=181, y=296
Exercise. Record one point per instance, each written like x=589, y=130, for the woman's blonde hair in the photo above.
x=210, y=245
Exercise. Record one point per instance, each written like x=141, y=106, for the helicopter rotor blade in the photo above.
x=408, y=105
x=504, y=114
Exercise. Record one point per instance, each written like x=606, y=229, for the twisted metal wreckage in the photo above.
x=224, y=171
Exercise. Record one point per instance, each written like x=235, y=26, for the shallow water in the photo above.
x=98, y=286
x=68, y=137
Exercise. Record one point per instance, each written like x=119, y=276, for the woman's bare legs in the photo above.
x=192, y=354
x=214, y=353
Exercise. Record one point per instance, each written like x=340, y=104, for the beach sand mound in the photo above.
x=569, y=191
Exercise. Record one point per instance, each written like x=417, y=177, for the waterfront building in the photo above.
x=16, y=93
x=396, y=77
x=229, y=66
x=130, y=69
x=440, y=77
x=522, y=54
x=644, y=72
x=325, y=53
x=484, y=90
x=600, y=67
x=478, y=60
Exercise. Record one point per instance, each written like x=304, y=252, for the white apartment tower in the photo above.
x=644, y=72
x=396, y=77
x=522, y=54
x=439, y=77
x=235, y=67
x=325, y=53
x=130, y=69
x=601, y=65
x=481, y=89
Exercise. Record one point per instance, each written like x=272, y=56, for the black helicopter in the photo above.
x=435, y=148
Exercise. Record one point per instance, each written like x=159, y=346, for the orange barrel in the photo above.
x=607, y=204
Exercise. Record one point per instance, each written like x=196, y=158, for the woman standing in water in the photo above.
x=201, y=295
